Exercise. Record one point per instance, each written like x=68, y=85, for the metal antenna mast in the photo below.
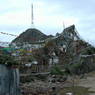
x=63, y=25
x=32, y=16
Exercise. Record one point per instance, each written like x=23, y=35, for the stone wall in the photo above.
x=9, y=80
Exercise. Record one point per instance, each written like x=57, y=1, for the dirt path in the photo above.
x=88, y=82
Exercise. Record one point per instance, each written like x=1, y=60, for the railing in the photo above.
x=39, y=68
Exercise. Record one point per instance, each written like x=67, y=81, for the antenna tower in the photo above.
x=32, y=16
x=63, y=25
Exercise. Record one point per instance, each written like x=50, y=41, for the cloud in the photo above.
x=49, y=15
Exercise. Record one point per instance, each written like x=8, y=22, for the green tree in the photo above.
x=7, y=59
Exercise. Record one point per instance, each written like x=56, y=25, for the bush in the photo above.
x=8, y=60
x=56, y=71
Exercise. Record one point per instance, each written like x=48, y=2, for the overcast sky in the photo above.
x=49, y=16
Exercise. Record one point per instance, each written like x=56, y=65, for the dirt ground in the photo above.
x=88, y=81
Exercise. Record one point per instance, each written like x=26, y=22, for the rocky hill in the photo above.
x=30, y=36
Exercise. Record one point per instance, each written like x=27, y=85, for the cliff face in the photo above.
x=30, y=36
